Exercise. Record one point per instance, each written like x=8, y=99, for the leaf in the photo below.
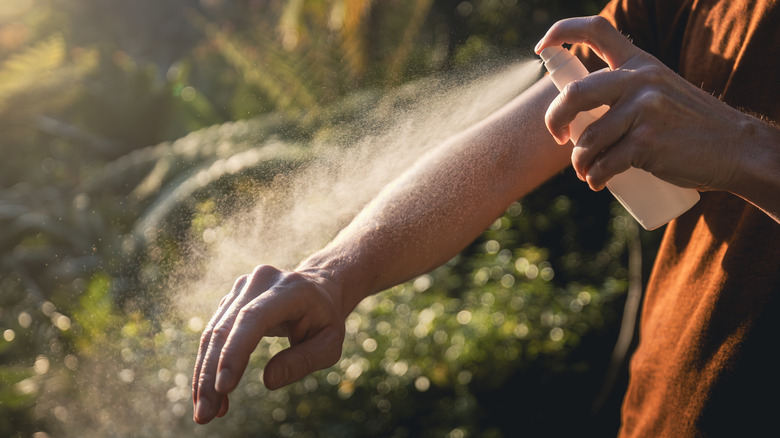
x=269, y=71
x=95, y=315
x=181, y=190
x=41, y=78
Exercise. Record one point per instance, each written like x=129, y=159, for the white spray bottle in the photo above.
x=652, y=201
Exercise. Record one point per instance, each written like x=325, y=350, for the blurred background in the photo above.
x=133, y=130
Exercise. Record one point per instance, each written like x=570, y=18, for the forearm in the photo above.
x=441, y=204
x=757, y=179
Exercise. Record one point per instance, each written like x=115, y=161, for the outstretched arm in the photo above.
x=446, y=200
x=418, y=222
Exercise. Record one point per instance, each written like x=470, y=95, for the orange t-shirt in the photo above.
x=705, y=364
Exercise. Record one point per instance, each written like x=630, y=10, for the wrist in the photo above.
x=330, y=271
x=758, y=179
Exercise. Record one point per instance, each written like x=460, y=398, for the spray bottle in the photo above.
x=652, y=201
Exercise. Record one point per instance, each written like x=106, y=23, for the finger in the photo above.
x=602, y=136
x=298, y=361
x=223, y=408
x=206, y=336
x=603, y=87
x=607, y=165
x=595, y=31
x=208, y=400
x=254, y=322
x=205, y=340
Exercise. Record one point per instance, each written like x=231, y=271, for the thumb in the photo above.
x=294, y=363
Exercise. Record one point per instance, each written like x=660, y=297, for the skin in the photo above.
x=446, y=200
x=457, y=190
x=661, y=123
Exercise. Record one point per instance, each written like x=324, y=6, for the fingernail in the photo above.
x=223, y=381
x=538, y=45
x=202, y=409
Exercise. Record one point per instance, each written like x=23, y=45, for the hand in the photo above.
x=301, y=306
x=657, y=121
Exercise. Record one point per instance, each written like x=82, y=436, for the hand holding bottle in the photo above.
x=652, y=201
x=657, y=121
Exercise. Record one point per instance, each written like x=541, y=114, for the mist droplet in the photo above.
x=127, y=375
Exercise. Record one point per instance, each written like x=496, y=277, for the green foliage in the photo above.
x=95, y=313
x=39, y=75
x=121, y=154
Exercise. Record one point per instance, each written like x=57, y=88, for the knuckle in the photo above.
x=249, y=317
x=262, y=271
x=261, y=279
x=652, y=72
x=221, y=332
x=303, y=285
x=301, y=362
x=204, y=380
x=308, y=360
x=205, y=338
x=599, y=24
x=589, y=136
x=295, y=277
x=556, y=26
x=572, y=90
x=651, y=100
x=641, y=135
x=240, y=282
x=226, y=298
x=247, y=314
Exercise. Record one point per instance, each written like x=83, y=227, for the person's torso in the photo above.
x=707, y=333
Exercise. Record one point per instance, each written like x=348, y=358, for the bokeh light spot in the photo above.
x=24, y=319
x=463, y=317
x=422, y=383
x=369, y=345
x=41, y=365
x=188, y=94
x=195, y=324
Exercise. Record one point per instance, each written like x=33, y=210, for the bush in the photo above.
x=97, y=224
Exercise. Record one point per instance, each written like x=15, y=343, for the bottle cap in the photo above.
x=554, y=57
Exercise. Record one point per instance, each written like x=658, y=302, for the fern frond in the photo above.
x=195, y=149
x=411, y=32
x=354, y=39
x=274, y=157
x=268, y=71
x=40, y=77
